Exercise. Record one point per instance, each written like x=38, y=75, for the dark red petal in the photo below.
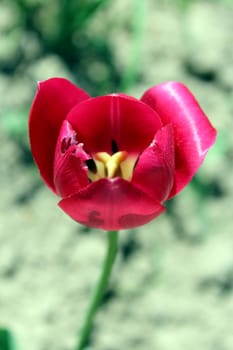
x=54, y=99
x=111, y=205
x=117, y=118
x=194, y=134
x=70, y=170
x=154, y=172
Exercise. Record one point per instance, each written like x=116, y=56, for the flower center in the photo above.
x=106, y=165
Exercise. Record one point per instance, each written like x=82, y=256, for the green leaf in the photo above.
x=7, y=341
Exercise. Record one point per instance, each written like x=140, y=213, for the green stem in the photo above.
x=99, y=290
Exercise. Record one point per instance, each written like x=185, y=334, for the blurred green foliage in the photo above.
x=37, y=35
x=60, y=28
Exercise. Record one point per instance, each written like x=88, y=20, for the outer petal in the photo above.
x=111, y=205
x=54, y=99
x=115, y=119
x=154, y=172
x=194, y=134
x=70, y=170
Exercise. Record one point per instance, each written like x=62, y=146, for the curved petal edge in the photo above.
x=193, y=132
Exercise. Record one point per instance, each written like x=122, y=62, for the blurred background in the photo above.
x=172, y=286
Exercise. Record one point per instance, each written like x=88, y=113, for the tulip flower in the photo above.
x=114, y=160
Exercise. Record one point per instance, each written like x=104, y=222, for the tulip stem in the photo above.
x=112, y=237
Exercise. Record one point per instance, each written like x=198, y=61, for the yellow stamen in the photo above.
x=127, y=167
x=100, y=173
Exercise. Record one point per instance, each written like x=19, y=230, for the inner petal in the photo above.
x=70, y=170
x=154, y=172
x=128, y=121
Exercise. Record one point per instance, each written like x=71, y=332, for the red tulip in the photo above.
x=114, y=159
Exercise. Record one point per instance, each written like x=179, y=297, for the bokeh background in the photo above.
x=172, y=285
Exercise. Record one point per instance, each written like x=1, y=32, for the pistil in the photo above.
x=111, y=162
x=110, y=166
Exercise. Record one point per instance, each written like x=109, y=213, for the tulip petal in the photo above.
x=154, y=172
x=70, y=169
x=111, y=204
x=114, y=122
x=54, y=99
x=193, y=133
